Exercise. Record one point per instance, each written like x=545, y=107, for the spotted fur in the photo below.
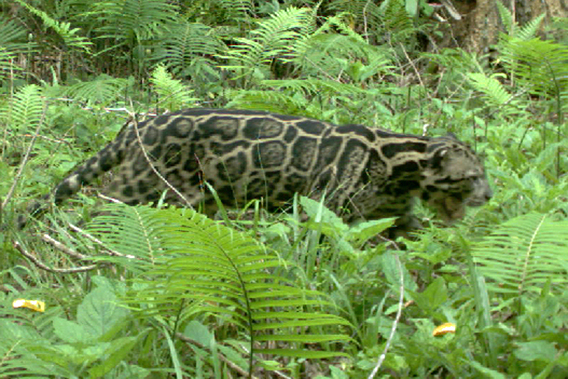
x=365, y=173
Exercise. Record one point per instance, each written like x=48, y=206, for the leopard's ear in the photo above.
x=448, y=157
x=445, y=152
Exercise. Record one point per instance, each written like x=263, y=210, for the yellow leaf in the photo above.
x=34, y=305
x=448, y=327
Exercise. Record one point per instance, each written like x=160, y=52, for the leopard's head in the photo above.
x=455, y=178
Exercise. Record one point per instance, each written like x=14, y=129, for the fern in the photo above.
x=22, y=345
x=13, y=36
x=184, y=51
x=524, y=254
x=495, y=93
x=354, y=8
x=237, y=9
x=292, y=96
x=526, y=32
x=131, y=231
x=506, y=18
x=335, y=49
x=24, y=112
x=538, y=66
x=172, y=94
x=269, y=100
x=376, y=20
x=274, y=38
x=133, y=21
x=7, y=68
x=221, y=272
x=101, y=90
x=397, y=21
x=63, y=29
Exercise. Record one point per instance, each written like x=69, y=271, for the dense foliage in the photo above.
x=140, y=292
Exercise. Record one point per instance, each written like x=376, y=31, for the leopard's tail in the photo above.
x=110, y=156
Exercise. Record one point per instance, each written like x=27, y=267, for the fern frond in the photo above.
x=25, y=110
x=12, y=43
x=539, y=66
x=131, y=231
x=219, y=271
x=63, y=29
x=274, y=37
x=7, y=68
x=133, y=20
x=237, y=9
x=338, y=22
x=493, y=90
x=524, y=254
x=172, y=94
x=20, y=350
x=334, y=49
x=103, y=89
x=292, y=96
x=187, y=41
x=506, y=18
x=396, y=19
x=13, y=36
x=268, y=100
x=526, y=32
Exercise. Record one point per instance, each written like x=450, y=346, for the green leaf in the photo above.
x=26, y=109
x=199, y=332
x=100, y=312
x=103, y=90
x=536, y=350
x=63, y=29
x=117, y=350
x=411, y=7
x=361, y=232
x=489, y=373
x=493, y=90
x=392, y=269
x=71, y=332
x=432, y=297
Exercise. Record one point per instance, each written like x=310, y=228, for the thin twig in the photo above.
x=414, y=68
x=54, y=140
x=64, y=249
x=396, y=320
x=100, y=243
x=41, y=265
x=147, y=157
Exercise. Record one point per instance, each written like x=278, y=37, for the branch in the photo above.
x=41, y=265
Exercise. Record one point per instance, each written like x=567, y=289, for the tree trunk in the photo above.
x=480, y=23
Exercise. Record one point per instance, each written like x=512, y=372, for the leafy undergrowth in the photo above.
x=170, y=291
